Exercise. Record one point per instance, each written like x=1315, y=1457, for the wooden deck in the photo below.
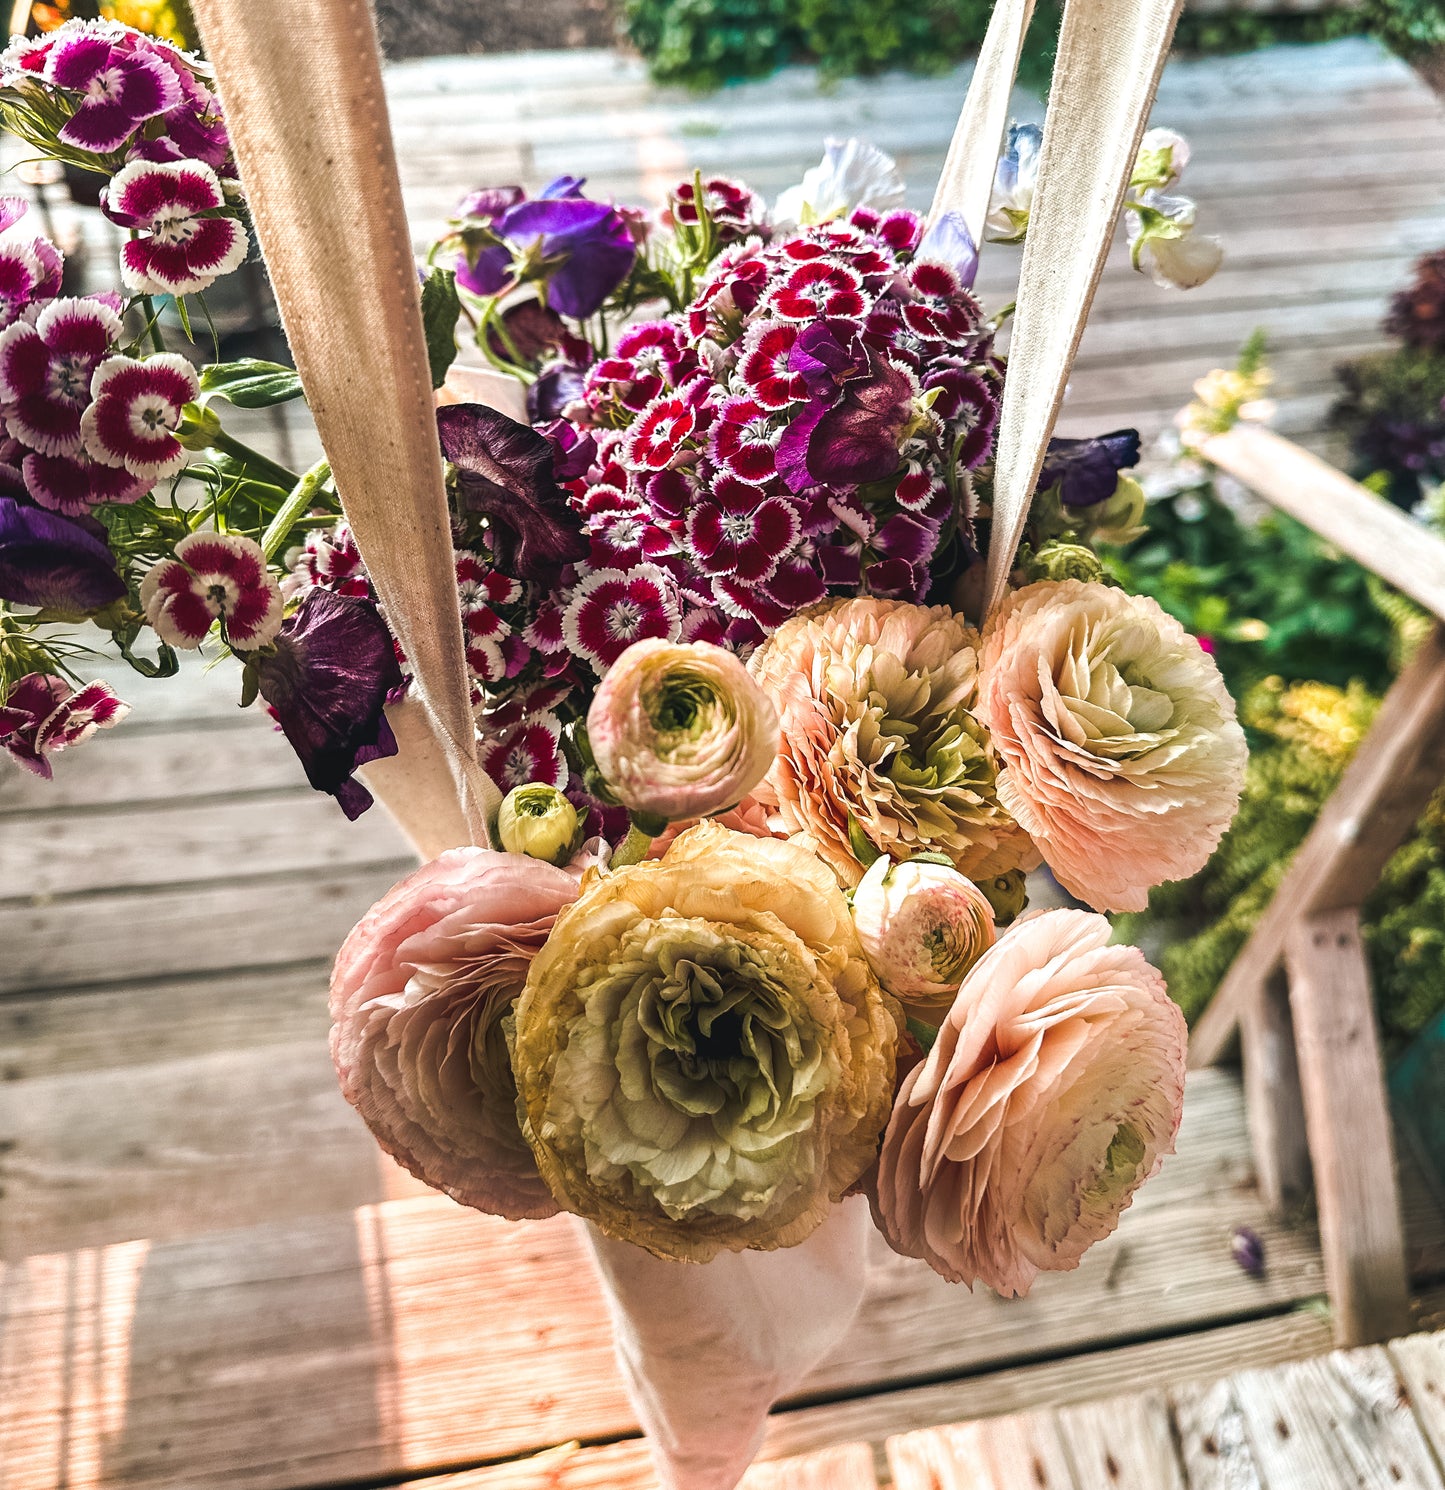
x=211, y=1277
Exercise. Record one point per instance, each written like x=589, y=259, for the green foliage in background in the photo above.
x=1305, y=736
x=705, y=43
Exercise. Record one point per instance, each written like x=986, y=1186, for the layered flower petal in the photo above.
x=187, y=242
x=418, y=996
x=1124, y=761
x=213, y=577
x=879, y=737
x=1054, y=1090
x=136, y=412
x=42, y=714
x=703, y=1057
x=52, y=563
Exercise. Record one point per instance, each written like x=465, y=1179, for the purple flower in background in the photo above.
x=48, y=561
x=327, y=681
x=1087, y=471
x=42, y=714
x=1247, y=1248
x=122, y=88
x=187, y=246
x=561, y=382
x=505, y=472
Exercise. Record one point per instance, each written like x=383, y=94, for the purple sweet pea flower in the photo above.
x=48, y=561
x=326, y=681
x=121, y=88
x=561, y=382
x=505, y=472
x=587, y=249
x=948, y=239
x=1087, y=471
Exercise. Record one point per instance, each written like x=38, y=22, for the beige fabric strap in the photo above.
x=966, y=183
x=1111, y=53
x=304, y=104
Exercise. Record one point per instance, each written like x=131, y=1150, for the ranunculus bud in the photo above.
x=537, y=820
x=679, y=729
x=922, y=925
x=1058, y=560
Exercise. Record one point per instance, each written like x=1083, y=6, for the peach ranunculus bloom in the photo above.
x=418, y=995
x=1054, y=1090
x=1123, y=760
x=877, y=699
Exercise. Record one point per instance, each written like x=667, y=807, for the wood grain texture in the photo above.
x=1213, y=1444
x=1272, y=1099
x=1012, y=1453
x=1420, y=1364
x=1347, y=1110
x=1342, y=1419
x=1380, y=797
x=233, y=1329
x=1123, y=1444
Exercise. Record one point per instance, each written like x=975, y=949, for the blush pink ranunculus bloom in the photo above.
x=1122, y=757
x=418, y=995
x=1053, y=1092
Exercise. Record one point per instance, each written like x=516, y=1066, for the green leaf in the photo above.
x=250, y=383
x=440, y=307
x=860, y=843
x=925, y=1034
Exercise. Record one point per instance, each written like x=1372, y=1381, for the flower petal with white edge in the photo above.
x=213, y=577
x=137, y=409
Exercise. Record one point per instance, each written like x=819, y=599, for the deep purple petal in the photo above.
x=1087, y=471
x=505, y=472
x=45, y=560
x=857, y=439
x=489, y=274
x=327, y=683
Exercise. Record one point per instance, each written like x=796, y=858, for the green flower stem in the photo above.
x=296, y=506
x=633, y=848
x=153, y=323
x=258, y=465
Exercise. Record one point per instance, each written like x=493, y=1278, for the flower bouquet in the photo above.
x=774, y=694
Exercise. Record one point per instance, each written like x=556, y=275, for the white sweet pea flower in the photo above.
x=851, y=174
x=1163, y=154
x=1013, y=186
x=1163, y=242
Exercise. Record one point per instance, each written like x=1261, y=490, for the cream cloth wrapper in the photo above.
x=705, y=1350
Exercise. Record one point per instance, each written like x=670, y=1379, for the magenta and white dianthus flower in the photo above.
x=612, y=608
x=136, y=411
x=46, y=369
x=73, y=484
x=120, y=87
x=528, y=751
x=213, y=577
x=179, y=206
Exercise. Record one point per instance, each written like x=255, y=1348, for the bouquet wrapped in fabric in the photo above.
x=778, y=696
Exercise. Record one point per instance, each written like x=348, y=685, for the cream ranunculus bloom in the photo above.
x=703, y=1056
x=1053, y=1092
x=1123, y=759
x=877, y=701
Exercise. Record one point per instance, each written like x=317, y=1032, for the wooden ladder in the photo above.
x=1299, y=994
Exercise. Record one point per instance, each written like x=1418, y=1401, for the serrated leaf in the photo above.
x=250, y=383
x=440, y=307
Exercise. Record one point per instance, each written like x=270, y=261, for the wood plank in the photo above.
x=130, y=765
x=1013, y=1453
x=232, y=1329
x=1213, y=1445
x=1341, y=511
x=295, y=831
x=1340, y=1419
x=162, y=1022
x=1342, y=1078
x=180, y=930
x=1379, y=799
x=1272, y=1099
x=173, y=1149
x=1420, y=1364
x=1123, y=1444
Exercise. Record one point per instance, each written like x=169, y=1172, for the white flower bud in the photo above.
x=537, y=820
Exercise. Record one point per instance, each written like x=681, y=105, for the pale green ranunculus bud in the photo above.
x=1060, y=560
x=537, y=820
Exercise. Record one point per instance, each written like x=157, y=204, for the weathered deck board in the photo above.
x=1124, y=1443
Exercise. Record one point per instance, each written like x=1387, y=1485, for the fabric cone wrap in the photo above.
x=707, y=1349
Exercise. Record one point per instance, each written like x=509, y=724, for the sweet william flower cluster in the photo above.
x=751, y=935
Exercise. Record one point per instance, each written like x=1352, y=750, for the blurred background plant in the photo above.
x=706, y=43
x=169, y=19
